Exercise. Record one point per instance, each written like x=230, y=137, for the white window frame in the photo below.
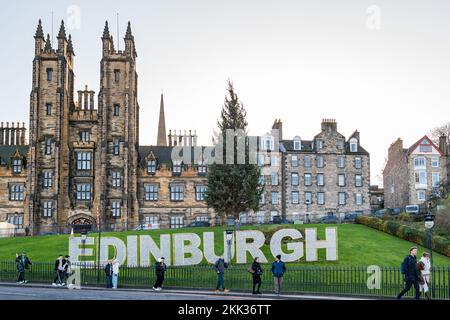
x=151, y=192
x=295, y=197
x=321, y=198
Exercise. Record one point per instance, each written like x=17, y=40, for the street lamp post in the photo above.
x=429, y=225
x=229, y=237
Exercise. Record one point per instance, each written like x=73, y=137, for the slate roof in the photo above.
x=7, y=151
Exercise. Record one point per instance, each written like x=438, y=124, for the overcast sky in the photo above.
x=382, y=67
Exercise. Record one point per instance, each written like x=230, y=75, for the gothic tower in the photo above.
x=117, y=157
x=50, y=101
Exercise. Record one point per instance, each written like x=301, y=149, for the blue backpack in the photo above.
x=404, y=265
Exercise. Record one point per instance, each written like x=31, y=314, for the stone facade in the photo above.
x=412, y=174
x=327, y=175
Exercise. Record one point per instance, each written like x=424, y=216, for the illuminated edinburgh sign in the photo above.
x=181, y=249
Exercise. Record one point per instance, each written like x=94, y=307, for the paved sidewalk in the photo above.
x=191, y=292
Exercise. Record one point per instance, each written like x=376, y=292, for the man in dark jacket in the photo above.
x=220, y=267
x=278, y=270
x=22, y=264
x=160, y=270
x=410, y=274
x=109, y=274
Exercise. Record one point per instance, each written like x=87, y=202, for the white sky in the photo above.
x=300, y=61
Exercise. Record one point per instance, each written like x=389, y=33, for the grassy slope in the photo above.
x=357, y=245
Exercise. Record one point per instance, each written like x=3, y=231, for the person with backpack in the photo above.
x=256, y=271
x=220, y=267
x=278, y=270
x=109, y=274
x=410, y=274
x=59, y=270
x=160, y=270
x=22, y=264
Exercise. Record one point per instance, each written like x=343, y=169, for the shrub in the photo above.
x=405, y=216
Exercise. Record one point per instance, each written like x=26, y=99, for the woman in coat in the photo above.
x=257, y=272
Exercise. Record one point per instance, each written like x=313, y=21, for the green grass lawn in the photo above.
x=358, y=245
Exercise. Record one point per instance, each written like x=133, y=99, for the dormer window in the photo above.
x=425, y=146
x=267, y=143
x=176, y=168
x=297, y=143
x=201, y=167
x=151, y=166
x=17, y=165
x=319, y=144
x=353, y=145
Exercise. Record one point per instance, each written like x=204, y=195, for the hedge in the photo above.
x=409, y=233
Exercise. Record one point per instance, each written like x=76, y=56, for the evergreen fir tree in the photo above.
x=233, y=188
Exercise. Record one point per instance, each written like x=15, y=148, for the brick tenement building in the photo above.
x=410, y=175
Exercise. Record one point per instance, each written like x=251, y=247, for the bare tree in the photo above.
x=435, y=133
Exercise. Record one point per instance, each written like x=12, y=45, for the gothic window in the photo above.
x=48, y=109
x=151, y=166
x=85, y=136
x=17, y=165
x=151, y=192
x=116, y=110
x=16, y=192
x=116, y=178
x=176, y=222
x=116, y=146
x=116, y=75
x=49, y=74
x=84, y=160
x=176, y=193
x=47, y=179
x=115, y=208
x=48, y=146
x=83, y=191
x=200, y=193
x=47, y=209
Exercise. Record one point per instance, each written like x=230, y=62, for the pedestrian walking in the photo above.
x=256, y=271
x=109, y=274
x=278, y=270
x=425, y=271
x=410, y=274
x=160, y=270
x=115, y=275
x=67, y=269
x=59, y=271
x=220, y=267
x=22, y=264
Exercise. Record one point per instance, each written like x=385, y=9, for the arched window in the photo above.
x=297, y=143
x=353, y=145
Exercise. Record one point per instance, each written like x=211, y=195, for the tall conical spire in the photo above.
x=128, y=34
x=48, y=44
x=62, y=31
x=162, y=140
x=106, y=31
x=39, y=31
x=70, y=45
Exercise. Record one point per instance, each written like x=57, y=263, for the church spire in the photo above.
x=62, y=31
x=48, y=44
x=106, y=31
x=70, y=45
x=128, y=34
x=39, y=31
x=162, y=141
